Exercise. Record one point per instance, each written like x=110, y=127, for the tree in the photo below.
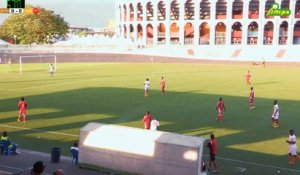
x=44, y=27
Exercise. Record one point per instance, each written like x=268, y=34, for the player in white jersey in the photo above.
x=275, y=115
x=51, y=70
x=292, y=147
x=147, y=87
x=154, y=124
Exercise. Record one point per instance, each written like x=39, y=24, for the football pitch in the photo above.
x=113, y=93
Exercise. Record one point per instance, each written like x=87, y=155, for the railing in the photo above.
x=174, y=34
x=203, y=41
x=189, y=41
x=283, y=33
x=220, y=41
x=253, y=34
x=268, y=41
x=162, y=42
x=149, y=18
x=174, y=42
x=220, y=34
x=236, y=41
x=149, y=41
x=268, y=34
x=220, y=16
x=131, y=17
x=252, y=41
x=253, y=15
x=161, y=34
x=282, y=42
x=140, y=18
x=205, y=17
x=296, y=33
x=236, y=34
x=239, y=16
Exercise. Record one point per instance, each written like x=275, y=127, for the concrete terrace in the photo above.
x=21, y=164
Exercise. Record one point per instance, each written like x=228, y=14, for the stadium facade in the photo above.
x=209, y=22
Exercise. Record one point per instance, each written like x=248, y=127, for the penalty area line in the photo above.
x=39, y=130
x=256, y=164
x=9, y=167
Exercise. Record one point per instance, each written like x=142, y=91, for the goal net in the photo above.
x=23, y=60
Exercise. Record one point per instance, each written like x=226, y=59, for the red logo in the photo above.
x=36, y=10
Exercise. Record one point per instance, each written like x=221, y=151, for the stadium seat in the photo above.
x=74, y=153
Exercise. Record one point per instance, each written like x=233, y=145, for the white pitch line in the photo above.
x=39, y=130
x=9, y=167
x=257, y=164
x=241, y=169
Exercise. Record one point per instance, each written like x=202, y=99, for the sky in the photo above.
x=79, y=13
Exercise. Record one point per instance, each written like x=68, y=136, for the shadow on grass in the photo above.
x=191, y=113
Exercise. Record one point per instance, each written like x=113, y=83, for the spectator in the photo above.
x=11, y=146
x=59, y=172
x=74, y=152
x=75, y=146
x=38, y=168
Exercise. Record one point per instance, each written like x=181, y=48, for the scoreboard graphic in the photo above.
x=18, y=6
x=15, y=4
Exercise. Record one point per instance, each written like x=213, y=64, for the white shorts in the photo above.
x=293, y=149
x=276, y=117
x=147, y=88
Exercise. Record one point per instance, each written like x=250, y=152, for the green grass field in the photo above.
x=113, y=93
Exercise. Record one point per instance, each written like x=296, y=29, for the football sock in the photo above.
x=292, y=160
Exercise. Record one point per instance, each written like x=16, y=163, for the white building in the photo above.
x=208, y=22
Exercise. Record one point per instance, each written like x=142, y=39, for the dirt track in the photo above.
x=101, y=57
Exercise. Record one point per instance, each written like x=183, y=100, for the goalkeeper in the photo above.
x=51, y=70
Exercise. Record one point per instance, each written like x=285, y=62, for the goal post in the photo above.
x=37, y=59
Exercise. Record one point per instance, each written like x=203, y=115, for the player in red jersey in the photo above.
x=220, y=107
x=163, y=85
x=147, y=120
x=251, y=98
x=212, y=145
x=22, y=109
x=248, y=77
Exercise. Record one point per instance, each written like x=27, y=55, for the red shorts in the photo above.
x=251, y=100
x=220, y=112
x=22, y=112
x=146, y=126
